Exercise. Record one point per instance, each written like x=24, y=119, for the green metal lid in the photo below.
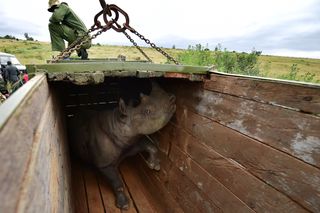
x=88, y=72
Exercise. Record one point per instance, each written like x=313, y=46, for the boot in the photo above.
x=83, y=54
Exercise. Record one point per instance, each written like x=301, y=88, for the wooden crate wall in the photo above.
x=35, y=168
x=241, y=144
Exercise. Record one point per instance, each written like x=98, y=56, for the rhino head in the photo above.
x=152, y=113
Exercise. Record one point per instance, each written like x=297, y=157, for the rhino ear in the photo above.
x=122, y=107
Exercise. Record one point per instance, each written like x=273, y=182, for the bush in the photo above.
x=309, y=77
x=293, y=75
x=225, y=61
x=240, y=63
x=198, y=56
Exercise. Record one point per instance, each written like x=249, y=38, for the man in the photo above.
x=64, y=24
x=11, y=73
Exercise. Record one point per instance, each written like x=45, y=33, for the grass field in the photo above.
x=32, y=52
x=277, y=67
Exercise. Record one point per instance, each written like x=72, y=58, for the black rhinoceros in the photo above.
x=104, y=138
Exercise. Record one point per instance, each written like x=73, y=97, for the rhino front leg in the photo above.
x=114, y=179
x=145, y=145
x=153, y=160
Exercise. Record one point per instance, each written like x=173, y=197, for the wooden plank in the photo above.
x=136, y=189
x=36, y=186
x=78, y=187
x=95, y=203
x=60, y=172
x=18, y=99
x=292, y=132
x=184, y=191
x=189, y=197
x=17, y=137
x=292, y=177
x=297, y=96
x=218, y=194
x=161, y=199
x=256, y=194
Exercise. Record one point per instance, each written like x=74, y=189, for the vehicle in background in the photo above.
x=5, y=57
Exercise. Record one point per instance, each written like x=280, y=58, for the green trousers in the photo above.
x=60, y=32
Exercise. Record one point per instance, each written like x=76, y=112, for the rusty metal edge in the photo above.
x=8, y=108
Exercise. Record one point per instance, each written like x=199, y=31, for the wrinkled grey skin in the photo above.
x=104, y=138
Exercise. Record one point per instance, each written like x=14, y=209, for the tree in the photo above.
x=27, y=37
x=8, y=37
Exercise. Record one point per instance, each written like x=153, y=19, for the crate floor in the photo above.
x=92, y=193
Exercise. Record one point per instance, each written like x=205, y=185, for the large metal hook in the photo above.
x=111, y=22
x=105, y=7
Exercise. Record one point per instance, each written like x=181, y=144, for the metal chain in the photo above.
x=153, y=45
x=75, y=46
x=136, y=45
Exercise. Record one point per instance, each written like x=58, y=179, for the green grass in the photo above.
x=32, y=52
x=279, y=67
x=28, y=52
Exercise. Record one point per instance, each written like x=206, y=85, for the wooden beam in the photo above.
x=252, y=78
x=223, y=179
x=295, y=96
x=13, y=103
x=17, y=136
x=283, y=172
x=289, y=131
x=35, y=166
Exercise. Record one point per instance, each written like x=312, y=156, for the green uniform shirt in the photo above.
x=66, y=16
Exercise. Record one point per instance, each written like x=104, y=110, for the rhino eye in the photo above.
x=147, y=112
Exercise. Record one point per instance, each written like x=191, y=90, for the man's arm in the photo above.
x=18, y=72
x=59, y=13
x=6, y=74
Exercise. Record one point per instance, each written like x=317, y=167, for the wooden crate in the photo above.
x=235, y=144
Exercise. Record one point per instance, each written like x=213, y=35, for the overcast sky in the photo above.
x=280, y=27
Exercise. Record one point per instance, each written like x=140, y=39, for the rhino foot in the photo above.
x=154, y=164
x=122, y=200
